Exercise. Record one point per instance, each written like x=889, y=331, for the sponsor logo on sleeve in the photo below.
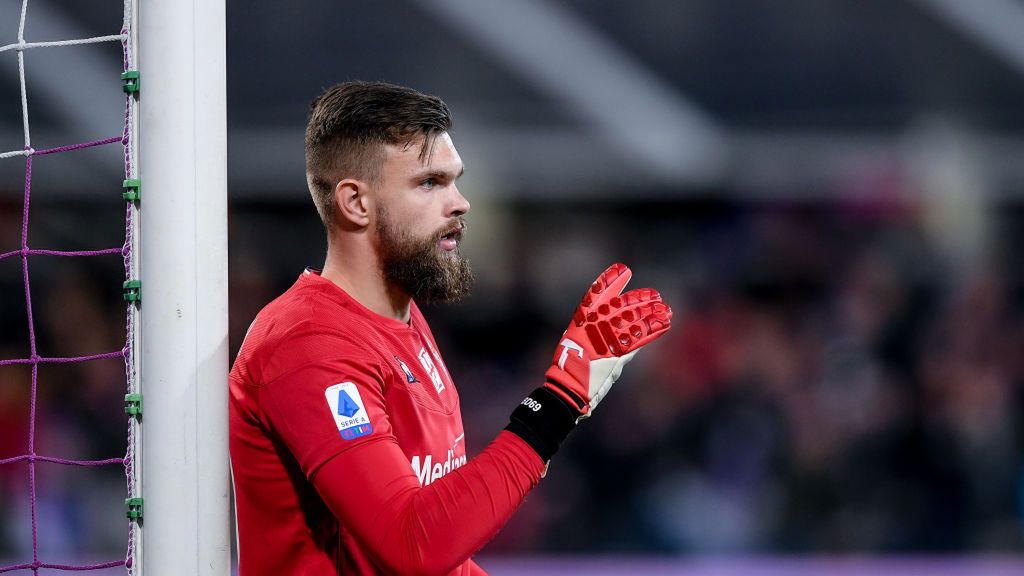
x=348, y=410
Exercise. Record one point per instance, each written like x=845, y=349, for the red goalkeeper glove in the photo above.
x=606, y=331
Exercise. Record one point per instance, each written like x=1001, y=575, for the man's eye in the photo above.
x=428, y=183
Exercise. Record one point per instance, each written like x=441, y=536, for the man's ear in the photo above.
x=353, y=203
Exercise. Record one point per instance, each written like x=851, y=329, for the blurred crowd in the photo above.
x=843, y=375
x=832, y=383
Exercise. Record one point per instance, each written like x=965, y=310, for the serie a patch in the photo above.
x=348, y=410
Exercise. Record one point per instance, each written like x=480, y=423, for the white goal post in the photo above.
x=184, y=303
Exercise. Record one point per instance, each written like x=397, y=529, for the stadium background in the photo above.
x=829, y=193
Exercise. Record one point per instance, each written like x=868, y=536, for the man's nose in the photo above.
x=459, y=205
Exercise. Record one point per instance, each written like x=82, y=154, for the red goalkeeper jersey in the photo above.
x=347, y=448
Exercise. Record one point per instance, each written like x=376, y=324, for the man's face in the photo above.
x=419, y=222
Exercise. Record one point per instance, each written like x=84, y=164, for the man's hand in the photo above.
x=605, y=333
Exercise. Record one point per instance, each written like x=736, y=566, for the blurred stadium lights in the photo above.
x=643, y=118
x=994, y=24
x=631, y=126
x=807, y=162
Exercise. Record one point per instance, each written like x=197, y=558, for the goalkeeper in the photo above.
x=347, y=448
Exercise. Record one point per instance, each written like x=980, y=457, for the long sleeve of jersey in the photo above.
x=432, y=529
x=333, y=416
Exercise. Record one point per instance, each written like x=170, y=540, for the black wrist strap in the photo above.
x=543, y=420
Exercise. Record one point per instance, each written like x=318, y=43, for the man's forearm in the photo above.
x=411, y=529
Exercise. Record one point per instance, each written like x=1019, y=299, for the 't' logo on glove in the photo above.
x=566, y=346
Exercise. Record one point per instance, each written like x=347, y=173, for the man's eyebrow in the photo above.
x=442, y=174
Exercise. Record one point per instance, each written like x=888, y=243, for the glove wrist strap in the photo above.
x=543, y=420
x=553, y=382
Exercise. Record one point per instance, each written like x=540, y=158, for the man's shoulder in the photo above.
x=303, y=321
x=297, y=327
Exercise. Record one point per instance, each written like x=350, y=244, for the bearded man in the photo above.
x=347, y=448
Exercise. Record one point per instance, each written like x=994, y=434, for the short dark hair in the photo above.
x=349, y=124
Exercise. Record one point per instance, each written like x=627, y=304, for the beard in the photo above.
x=418, y=266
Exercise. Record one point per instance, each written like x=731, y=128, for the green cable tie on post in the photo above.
x=133, y=405
x=133, y=290
x=131, y=81
x=134, y=506
x=132, y=189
